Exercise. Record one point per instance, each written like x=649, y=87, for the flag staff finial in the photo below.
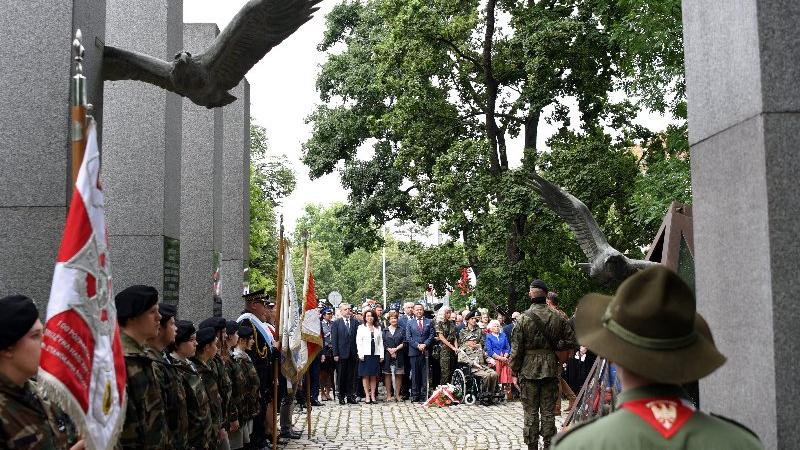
x=78, y=106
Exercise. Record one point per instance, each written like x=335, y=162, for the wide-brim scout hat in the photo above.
x=650, y=327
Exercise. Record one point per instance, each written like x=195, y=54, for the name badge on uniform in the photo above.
x=665, y=415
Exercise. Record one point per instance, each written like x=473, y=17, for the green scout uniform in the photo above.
x=534, y=363
x=174, y=397
x=447, y=357
x=249, y=384
x=466, y=333
x=477, y=364
x=626, y=429
x=145, y=420
x=209, y=377
x=237, y=389
x=198, y=408
x=28, y=421
x=224, y=385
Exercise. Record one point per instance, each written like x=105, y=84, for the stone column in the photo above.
x=742, y=75
x=201, y=193
x=34, y=175
x=235, y=199
x=142, y=148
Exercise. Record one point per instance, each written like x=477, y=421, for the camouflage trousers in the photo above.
x=447, y=362
x=539, y=397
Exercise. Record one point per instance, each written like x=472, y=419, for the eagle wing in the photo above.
x=258, y=27
x=120, y=64
x=575, y=213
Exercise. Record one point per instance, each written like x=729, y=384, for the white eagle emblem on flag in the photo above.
x=665, y=412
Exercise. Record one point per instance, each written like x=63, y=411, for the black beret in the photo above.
x=217, y=323
x=166, y=310
x=205, y=336
x=539, y=284
x=231, y=327
x=185, y=331
x=470, y=315
x=245, y=332
x=135, y=301
x=19, y=315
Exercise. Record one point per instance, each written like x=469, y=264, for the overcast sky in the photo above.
x=283, y=93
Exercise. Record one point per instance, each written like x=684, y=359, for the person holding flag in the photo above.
x=26, y=419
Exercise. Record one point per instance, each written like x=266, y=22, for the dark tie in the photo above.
x=419, y=325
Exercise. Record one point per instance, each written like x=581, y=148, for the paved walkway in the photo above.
x=459, y=427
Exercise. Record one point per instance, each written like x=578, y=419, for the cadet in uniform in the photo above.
x=198, y=408
x=27, y=419
x=250, y=405
x=474, y=356
x=471, y=329
x=446, y=334
x=237, y=386
x=206, y=349
x=651, y=331
x=217, y=364
x=539, y=332
x=145, y=417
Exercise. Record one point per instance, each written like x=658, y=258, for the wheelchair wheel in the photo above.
x=470, y=399
x=459, y=381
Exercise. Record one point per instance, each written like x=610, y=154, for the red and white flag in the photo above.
x=311, y=329
x=82, y=365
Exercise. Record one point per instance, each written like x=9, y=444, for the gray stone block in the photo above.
x=197, y=295
x=30, y=244
x=779, y=41
x=723, y=73
x=236, y=175
x=232, y=304
x=137, y=260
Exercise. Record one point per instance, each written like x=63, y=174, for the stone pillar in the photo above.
x=742, y=77
x=34, y=174
x=142, y=148
x=201, y=193
x=235, y=199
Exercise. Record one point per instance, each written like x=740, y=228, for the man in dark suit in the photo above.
x=419, y=335
x=406, y=315
x=343, y=339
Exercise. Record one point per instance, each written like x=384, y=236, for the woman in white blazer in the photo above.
x=369, y=343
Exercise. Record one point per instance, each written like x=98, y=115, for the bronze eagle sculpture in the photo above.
x=205, y=78
x=607, y=265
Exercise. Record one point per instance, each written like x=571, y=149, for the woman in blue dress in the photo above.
x=394, y=345
x=369, y=343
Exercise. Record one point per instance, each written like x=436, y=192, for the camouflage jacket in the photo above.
x=145, y=419
x=198, y=407
x=238, y=389
x=467, y=355
x=448, y=329
x=224, y=386
x=28, y=421
x=173, y=395
x=466, y=332
x=209, y=377
x=250, y=395
x=531, y=356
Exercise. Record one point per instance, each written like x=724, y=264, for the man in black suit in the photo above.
x=405, y=316
x=419, y=335
x=343, y=339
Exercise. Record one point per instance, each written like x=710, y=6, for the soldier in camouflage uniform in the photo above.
x=217, y=364
x=553, y=302
x=534, y=364
x=172, y=390
x=27, y=420
x=250, y=404
x=145, y=417
x=206, y=349
x=472, y=355
x=471, y=329
x=446, y=334
x=198, y=408
x=237, y=388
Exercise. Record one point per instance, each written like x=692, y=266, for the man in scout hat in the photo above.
x=651, y=331
x=539, y=332
x=145, y=416
x=26, y=419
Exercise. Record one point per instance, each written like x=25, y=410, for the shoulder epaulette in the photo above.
x=565, y=432
x=729, y=420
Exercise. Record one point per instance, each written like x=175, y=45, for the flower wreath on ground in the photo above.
x=444, y=395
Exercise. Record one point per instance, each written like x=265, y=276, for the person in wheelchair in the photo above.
x=472, y=355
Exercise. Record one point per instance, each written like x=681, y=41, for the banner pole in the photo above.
x=78, y=107
x=277, y=319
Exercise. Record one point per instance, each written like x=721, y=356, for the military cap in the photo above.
x=650, y=327
x=231, y=327
x=217, y=323
x=245, y=332
x=185, y=331
x=470, y=315
x=326, y=311
x=539, y=284
x=471, y=337
x=135, y=300
x=258, y=295
x=268, y=303
x=205, y=336
x=19, y=315
x=166, y=310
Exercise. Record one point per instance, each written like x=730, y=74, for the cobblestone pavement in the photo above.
x=458, y=427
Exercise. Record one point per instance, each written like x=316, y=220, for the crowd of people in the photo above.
x=210, y=386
